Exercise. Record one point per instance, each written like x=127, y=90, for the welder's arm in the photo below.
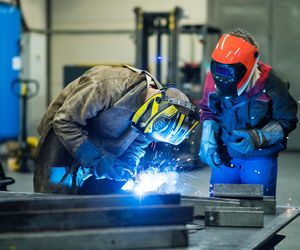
x=249, y=140
x=208, y=147
x=71, y=119
x=128, y=162
x=101, y=166
x=284, y=108
x=284, y=120
x=82, y=104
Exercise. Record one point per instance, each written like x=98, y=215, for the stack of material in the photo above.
x=233, y=205
x=37, y=221
x=249, y=195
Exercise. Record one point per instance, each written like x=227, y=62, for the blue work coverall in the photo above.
x=267, y=101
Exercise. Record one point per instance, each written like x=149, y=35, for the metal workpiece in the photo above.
x=200, y=203
x=251, y=191
x=119, y=221
x=10, y=201
x=88, y=230
x=120, y=238
x=234, y=217
x=268, y=204
x=83, y=218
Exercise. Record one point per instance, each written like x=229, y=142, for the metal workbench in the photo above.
x=244, y=238
x=200, y=237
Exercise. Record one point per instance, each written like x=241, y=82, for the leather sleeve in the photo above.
x=284, y=106
x=84, y=102
x=135, y=151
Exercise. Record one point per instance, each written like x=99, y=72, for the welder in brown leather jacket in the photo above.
x=94, y=133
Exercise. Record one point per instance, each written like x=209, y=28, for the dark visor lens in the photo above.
x=161, y=124
x=225, y=71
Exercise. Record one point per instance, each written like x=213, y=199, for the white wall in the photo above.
x=34, y=13
x=117, y=14
x=109, y=15
x=34, y=58
x=34, y=67
x=8, y=1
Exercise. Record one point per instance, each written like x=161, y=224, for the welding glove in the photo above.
x=125, y=170
x=208, y=147
x=249, y=140
x=128, y=162
x=101, y=166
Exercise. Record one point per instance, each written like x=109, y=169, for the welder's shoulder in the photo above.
x=115, y=79
x=275, y=82
x=107, y=73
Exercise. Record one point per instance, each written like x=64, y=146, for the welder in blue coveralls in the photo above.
x=247, y=114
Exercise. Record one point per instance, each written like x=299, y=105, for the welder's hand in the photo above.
x=246, y=141
x=125, y=170
x=208, y=153
x=101, y=166
x=106, y=169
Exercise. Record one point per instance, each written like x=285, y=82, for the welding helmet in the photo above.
x=232, y=66
x=166, y=119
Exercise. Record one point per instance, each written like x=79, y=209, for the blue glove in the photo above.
x=208, y=148
x=102, y=167
x=246, y=141
x=128, y=162
x=125, y=170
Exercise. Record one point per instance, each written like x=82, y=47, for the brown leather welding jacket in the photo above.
x=97, y=106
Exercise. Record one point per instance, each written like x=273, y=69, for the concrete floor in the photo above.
x=196, y=183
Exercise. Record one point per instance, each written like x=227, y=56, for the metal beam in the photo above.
x=254, y=191
x=200, y=203
x=83, y=218
x=234, y=217
x=120, y=238
x=268, y=204
x=47, y=202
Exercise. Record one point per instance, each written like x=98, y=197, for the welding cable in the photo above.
x=72, y=169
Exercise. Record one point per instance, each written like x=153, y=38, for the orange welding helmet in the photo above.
x=232, y=65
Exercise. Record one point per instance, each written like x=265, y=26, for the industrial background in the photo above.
x=51, y=42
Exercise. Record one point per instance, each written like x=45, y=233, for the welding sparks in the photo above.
x=157, y=182
x=153, y=181
x=161, y=173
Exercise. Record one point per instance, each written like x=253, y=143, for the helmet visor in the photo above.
x=227, y=77
x=167, y=122
x=171, y=126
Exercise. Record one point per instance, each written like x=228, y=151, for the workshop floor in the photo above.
x=196, y=183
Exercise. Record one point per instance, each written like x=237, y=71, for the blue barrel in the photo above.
x=10, y=32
